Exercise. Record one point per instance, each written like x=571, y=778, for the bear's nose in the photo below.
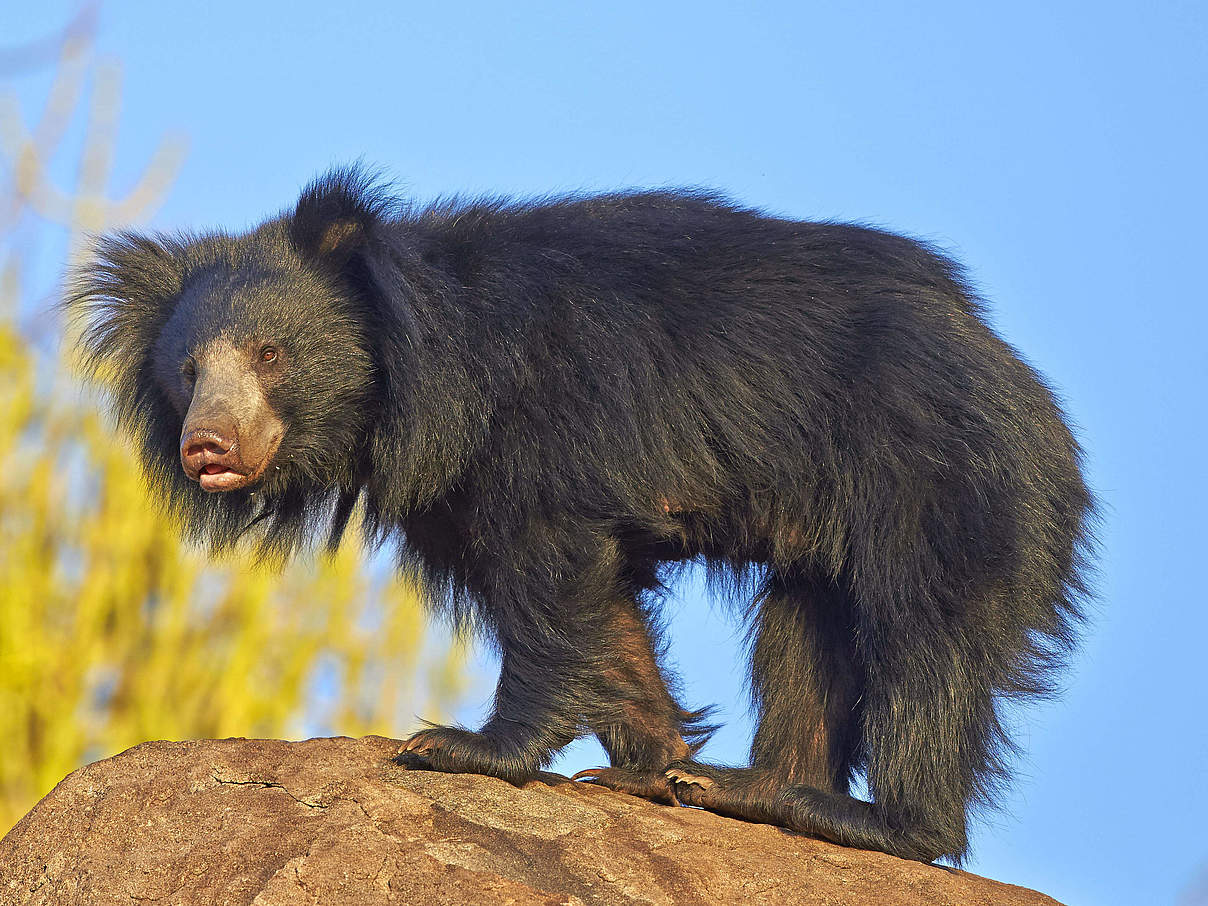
x=203, y=446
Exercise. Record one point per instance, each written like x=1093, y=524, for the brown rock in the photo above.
x=334, y=821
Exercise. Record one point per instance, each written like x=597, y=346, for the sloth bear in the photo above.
x=547, y=406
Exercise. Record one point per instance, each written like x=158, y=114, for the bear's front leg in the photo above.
x=554, y=622
x=535, y=715
x=461, y=751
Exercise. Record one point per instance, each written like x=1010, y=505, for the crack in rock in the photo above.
x=270, y=785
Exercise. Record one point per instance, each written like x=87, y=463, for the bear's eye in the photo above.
x=268, y=354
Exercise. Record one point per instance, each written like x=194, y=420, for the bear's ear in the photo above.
x=121, y=295
x=338, y=216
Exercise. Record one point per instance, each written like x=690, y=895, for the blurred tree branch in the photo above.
x=25, y=57
x=88, y=206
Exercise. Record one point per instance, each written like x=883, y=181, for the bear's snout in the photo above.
x=210, y=456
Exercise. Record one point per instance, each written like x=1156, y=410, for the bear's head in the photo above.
x=248, y=367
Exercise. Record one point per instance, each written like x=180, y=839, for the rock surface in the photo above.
x=334, y=821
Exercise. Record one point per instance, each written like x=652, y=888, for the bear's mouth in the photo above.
x=215, y=476
x=228, y=471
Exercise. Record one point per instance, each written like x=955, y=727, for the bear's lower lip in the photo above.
x=220, y=479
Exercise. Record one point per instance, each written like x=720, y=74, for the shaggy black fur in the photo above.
x=548, y=405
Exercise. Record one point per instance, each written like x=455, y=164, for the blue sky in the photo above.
x=1057, y=149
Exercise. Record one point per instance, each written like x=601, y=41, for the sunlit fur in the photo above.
x=548, y=405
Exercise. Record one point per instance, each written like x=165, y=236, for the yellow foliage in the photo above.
x=113, y=632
